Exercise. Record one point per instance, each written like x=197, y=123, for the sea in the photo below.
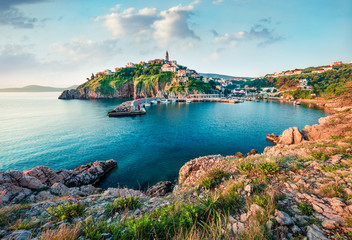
x=39, y=129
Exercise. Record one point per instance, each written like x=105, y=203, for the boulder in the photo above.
x=252, y=152
x=272, y=138
x=291, y=136
x=315, y=233
x=19, y=235
x=160, y=189
x=283, y=218
x=239, y=155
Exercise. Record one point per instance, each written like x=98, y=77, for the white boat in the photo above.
x=154, y=101
x=165, y=101
x=146, y=104
x=297, y=103
x=173, y=100
x=188, y=101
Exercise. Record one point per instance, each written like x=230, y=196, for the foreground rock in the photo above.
x=160, y=189
x=42, y=182
x=290, y=136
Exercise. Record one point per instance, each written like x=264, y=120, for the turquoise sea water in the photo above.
x=38, y=129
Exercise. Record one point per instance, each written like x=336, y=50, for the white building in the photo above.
x=107, y=72
x=130, y=65
x=169, y=68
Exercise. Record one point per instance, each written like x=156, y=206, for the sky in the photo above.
x=62, y=42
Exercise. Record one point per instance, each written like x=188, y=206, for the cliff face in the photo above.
x=125, y=91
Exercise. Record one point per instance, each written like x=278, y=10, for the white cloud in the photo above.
x=128, y=21
x=258, y=32
x=217, y=1
x=81, y=48
x=173, y=25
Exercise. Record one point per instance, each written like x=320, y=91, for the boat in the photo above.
x=297, y=103
x=173, y=100
x=164, y=101
x=188, y=101
x=146, y=104
x=154, y=101
x=115, y=113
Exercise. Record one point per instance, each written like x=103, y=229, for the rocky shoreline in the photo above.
x=298, y=189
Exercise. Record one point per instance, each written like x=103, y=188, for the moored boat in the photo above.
x=115, y=113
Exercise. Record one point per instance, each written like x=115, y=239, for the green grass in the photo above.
x=320, y=156
x=246, y=167
x=331, y=168
x=130, y=203
x=217, y=174
x=305, y=209
x=268, y=167
x=261, y=200
x=208, y=182
x=66, y=211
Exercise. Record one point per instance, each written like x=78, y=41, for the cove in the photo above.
x=38, y=129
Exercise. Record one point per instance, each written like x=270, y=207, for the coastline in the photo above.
x=299, y=173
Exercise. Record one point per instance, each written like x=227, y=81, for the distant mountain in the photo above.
x=215, y=75
x=37, y=88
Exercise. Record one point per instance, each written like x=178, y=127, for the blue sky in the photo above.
x=61, y=42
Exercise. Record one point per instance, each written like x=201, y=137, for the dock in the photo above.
x=130, y=108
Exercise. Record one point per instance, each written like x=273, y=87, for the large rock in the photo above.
x=315, y=233
x=88, y=174
x=283, y=218
x=160, y=189
x=19, y=235
x=16, y=185
x=291, y=136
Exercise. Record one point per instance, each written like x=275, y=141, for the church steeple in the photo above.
x=167, y=56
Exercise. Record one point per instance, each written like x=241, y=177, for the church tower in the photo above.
x=167, y=56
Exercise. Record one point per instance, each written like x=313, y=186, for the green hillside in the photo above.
x=327, y=84
x=147, y=81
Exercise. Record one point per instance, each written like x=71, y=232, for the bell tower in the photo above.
x=167, y=56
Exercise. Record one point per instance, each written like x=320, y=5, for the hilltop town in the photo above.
x=166, y=78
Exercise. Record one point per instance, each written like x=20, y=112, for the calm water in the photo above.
x=38, y=129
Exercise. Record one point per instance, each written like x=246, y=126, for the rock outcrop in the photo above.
x=41, y=182
x=160, y=189
x=125, y=91
x=290, y=136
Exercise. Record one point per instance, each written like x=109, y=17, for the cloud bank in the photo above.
x=10, y=15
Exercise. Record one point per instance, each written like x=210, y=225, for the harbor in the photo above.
x=138, y=106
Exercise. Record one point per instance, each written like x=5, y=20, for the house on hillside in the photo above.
x=297, y=72
x=336, y=63
x=169, y=68
x=303, y=84
x=268, y=89
x=130, y=65
x=318, y=71
x=107, y=72
x=327, y=68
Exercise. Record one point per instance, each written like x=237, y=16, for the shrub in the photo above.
x=208, y=182
x=261, y=200
x=331, y=168
x=8, y=215
x=320, y=156
x=246, y=167
x=217, y=174
x=123, y=203
x=332, y=190
x=268, y=167
x=63, y=233
x=230, y=202
x=305, y=209
x=66, y=211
